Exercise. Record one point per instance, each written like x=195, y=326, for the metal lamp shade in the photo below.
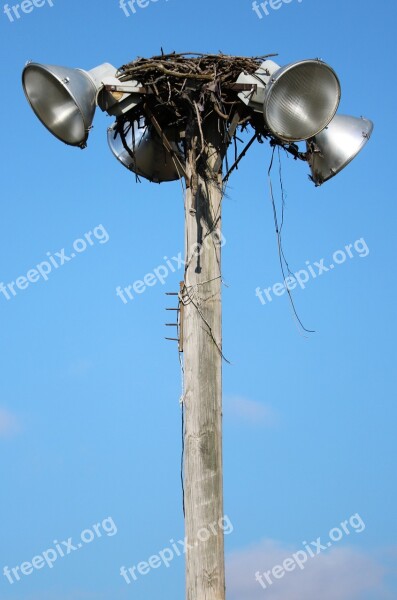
x=150, y=158
x=335, y=147
x=301, y=99
x=63, y=99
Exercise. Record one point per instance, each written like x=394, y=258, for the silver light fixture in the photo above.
x=65, y=99
x=334, y=148
x=297, y=100
x=301, y=99
x=146, y=154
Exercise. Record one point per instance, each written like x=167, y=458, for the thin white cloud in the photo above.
x=9, y=424
x=248, y=410
x=342, y=573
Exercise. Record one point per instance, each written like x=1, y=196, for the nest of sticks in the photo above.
x=180, y=85
x=182, y=91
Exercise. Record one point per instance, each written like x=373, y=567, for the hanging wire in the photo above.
x=283, y=261
x=182, y=405
x=283, y=198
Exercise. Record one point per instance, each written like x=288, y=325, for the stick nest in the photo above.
x=179, y=85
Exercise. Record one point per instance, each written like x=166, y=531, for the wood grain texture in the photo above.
x=202, y=344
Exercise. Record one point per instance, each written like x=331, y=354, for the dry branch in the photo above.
x=190, y=87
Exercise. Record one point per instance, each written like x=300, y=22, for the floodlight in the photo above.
x=301, y=99
x=147, y=155
x=334, y=148
x=297, y=100
x=65, y=99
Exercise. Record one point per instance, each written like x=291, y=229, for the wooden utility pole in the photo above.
x=202, y=347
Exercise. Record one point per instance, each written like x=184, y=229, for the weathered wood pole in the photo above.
x=202, y=347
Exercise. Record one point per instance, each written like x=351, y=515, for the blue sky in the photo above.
x=90, y=424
